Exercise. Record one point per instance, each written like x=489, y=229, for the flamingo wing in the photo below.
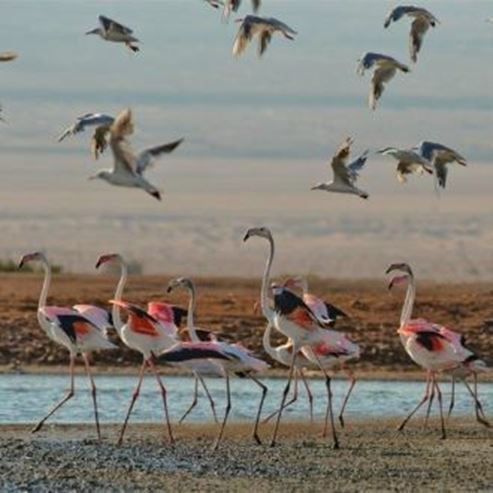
x=191, y=351
x=432, y=341
x=139, y=320
x=291, y=306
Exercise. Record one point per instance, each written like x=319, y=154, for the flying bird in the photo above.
x=264, y=27
x=101, y=121
x=439, y=156
x=345, y=175
x=8, y=56
x=409, y=161
x=384, y=70
x=422, y=21
x=129, y=168
x=111, y=30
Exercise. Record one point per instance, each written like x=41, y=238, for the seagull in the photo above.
x=8, y=56
x=385, y=68
x=423, y=19
x=215, y=3
x=409, y=161
x=265, y=27
x=345, y=175
x=111, y=30
x=128, y=168
x=101, y=121
x=440, y=155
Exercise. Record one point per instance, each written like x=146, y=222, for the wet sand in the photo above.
x=373, y=457
x=226, y=305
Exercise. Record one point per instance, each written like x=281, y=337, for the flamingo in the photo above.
x=233, y=358
x=110, y=30
x=253, y=25
x=337, y=349
x=129, y=168
x=345, y=174
x=424, y=342
x=422, y=21
x=164, y=319
x=296, y=321
x=80, y=329
x=384, y=70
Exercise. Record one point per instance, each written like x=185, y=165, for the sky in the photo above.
x=258, y=134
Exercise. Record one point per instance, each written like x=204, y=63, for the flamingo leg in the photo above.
x=69, y=396
x=287, y=404
x=226, y=414
x=480, y=416
x=194, y=401
x=163, y=394
x=430, y=402
x=352, y=383
x=284, y=396
x=135, y=395
x=452, y=397
x=93, y=393
x=425, y=398
x=209, y=397
x=440, y=407
x=308, y=393
x=259, y=412
x=329, y=412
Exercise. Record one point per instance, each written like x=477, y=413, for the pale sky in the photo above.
x=258, y=134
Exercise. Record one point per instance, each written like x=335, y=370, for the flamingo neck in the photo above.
x=266, y=342
x=46, y=284
x=264, y=299
x=115, y=311
x=407, y=308
x=190, y=315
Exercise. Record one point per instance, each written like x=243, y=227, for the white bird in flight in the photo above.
x=128, y=167
x=409, y=162
x=111, y=30
x=264, y=27
x=384, y=69
x=439, y=156
x=345, y=175
x=231, y=6
x=8, y=56
x=422, y=21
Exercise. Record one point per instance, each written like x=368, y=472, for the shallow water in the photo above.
x=24, y=398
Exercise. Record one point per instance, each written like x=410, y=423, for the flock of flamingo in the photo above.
x=307, y=322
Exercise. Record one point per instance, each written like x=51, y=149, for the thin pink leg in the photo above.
x=440, y=407
x=425, y=398
x=69, y=396
x=308, y=393
x=293, y=399
x=93, y=393
x=135, y=395
x=163, y=393
x=480, y=416
x=226, y=414
x=452, y=398
x=194, y=401
x=430, y=402
x=260, y=406
x=209, y=397
x=352, y=383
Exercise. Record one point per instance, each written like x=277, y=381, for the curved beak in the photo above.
x=247, y=235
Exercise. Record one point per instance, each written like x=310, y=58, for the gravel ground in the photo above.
x=373, y=457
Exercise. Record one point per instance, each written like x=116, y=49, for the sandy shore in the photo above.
x=373, y=457
x=226, y=305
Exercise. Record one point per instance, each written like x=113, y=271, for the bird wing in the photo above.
x=264, y=40
x=441, y=172
x=395, y=14
x=339, y=160
x=256, y=5
x=243, y=37
x=124, y=156
x=99, y=317
x=7, y=56
x=99, y=140
x=291, y=306
x=281, y=26
x=146, y=158
x=357, y=165
x=381, y=76
x=110, y=25
x=139, y=320
x=419, y=27
x=84, y=121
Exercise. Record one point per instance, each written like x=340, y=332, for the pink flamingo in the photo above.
x=148, y=338
x=292, y=317
x=343, y=350
x=81, y=329
x=424, y=343
x=233, y=358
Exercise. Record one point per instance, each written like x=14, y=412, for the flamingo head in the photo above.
x=29, y=257
x=402, y=267
x=107, y=257
x=263, y=232
x=397, y=281
x=180, y=282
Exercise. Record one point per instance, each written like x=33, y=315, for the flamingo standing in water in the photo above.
x=425, y=342
x=81, y=329
x=233, y=358
x=344, y=350
x=149, y=335
x=292, y=317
